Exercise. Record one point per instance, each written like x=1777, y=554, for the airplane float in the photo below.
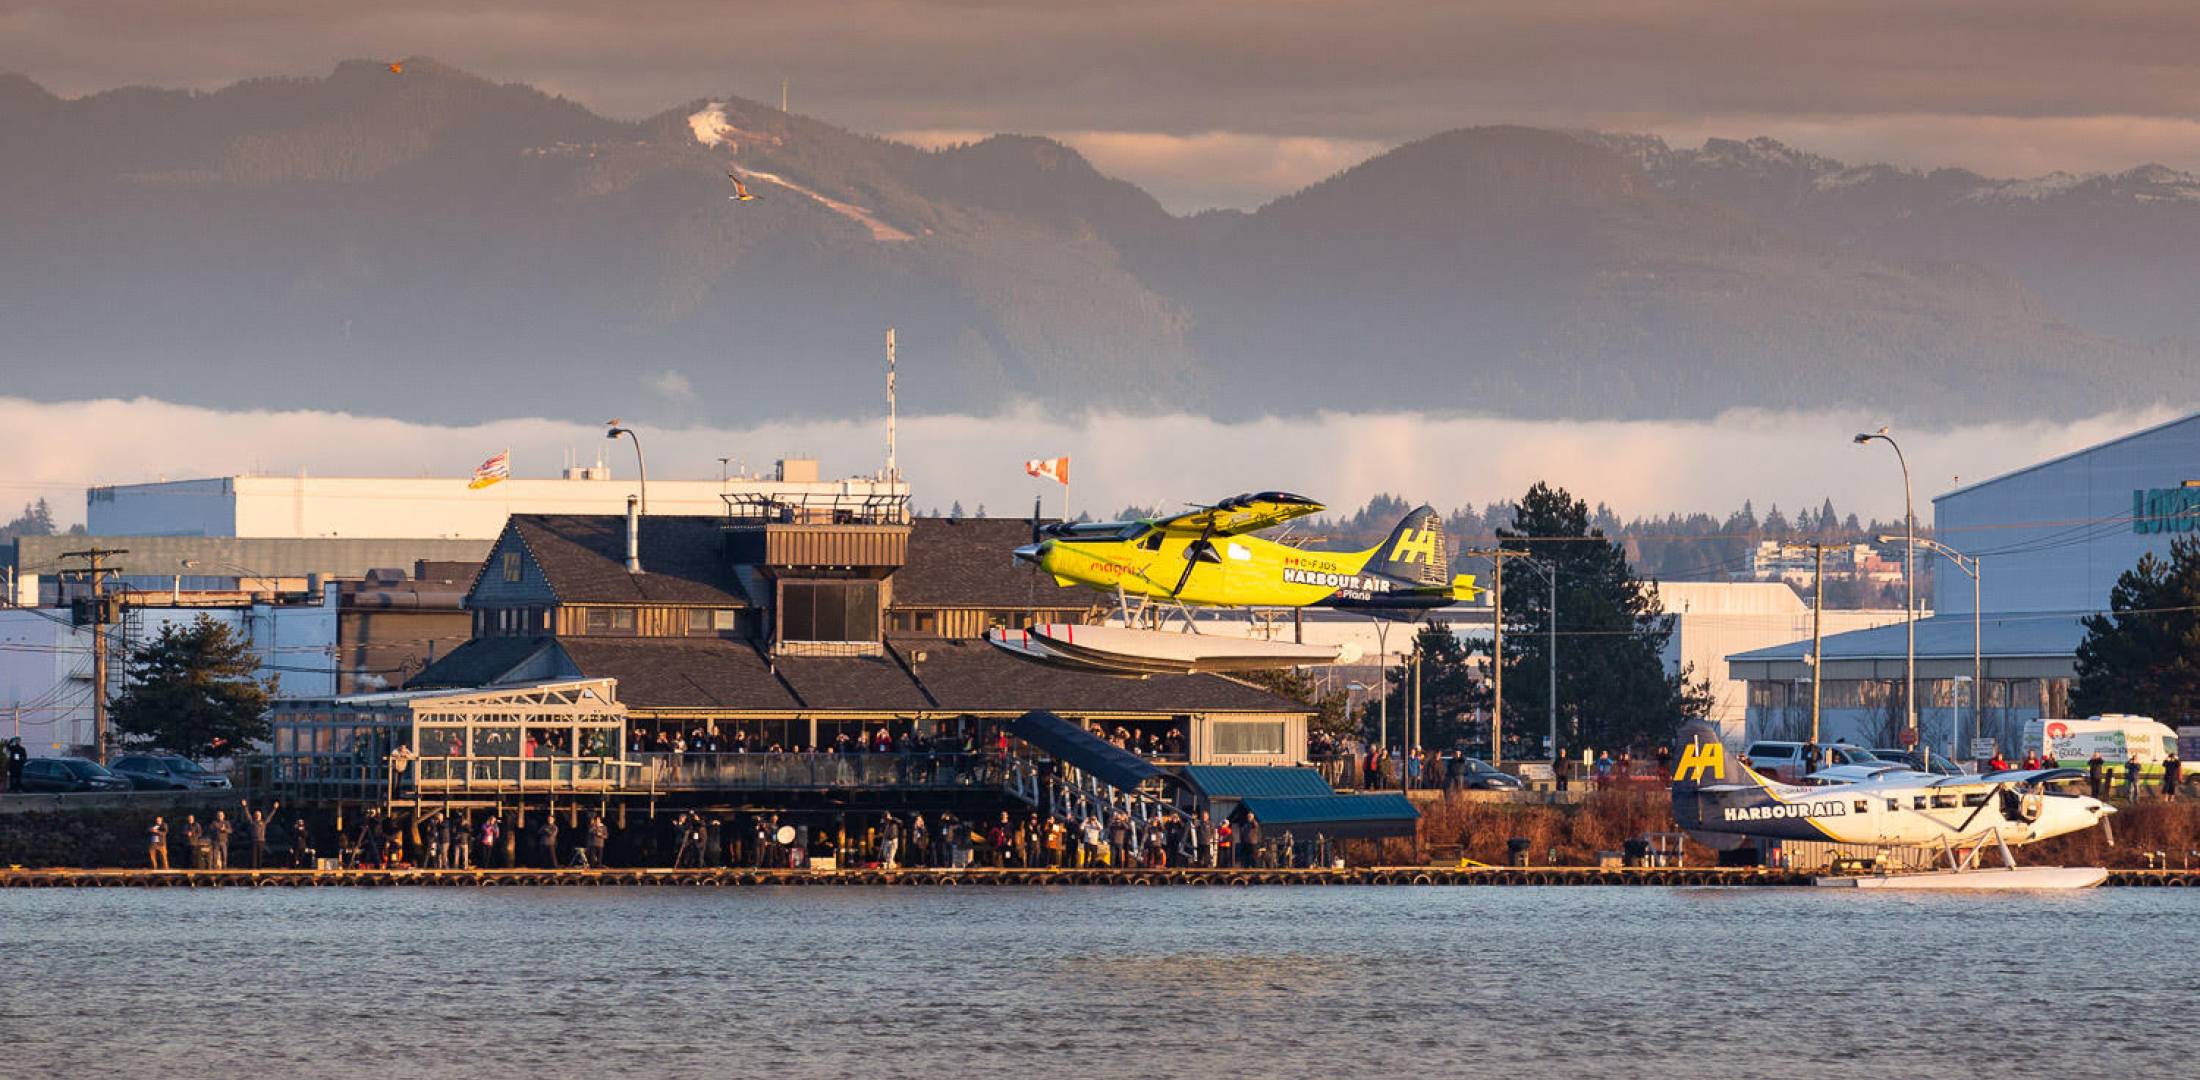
x=1208, y=557
x=1723, y=803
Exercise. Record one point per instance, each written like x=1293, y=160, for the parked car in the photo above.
x=1784, y=760
x=68, y=774
x=1481, y=775
x=1933, y=762
x=167, y=772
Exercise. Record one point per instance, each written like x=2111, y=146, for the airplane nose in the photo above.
x=1031, y=553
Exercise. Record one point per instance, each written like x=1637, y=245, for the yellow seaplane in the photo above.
x=1209, y=558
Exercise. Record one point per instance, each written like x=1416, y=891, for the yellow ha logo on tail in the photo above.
x=1700, y=758
x=1415, y=546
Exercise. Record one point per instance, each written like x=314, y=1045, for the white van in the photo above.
x=2118, y=738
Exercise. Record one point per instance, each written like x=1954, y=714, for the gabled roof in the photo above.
x=583, y=556
x=1257, y=781
x=968, y=563
x=478, y=662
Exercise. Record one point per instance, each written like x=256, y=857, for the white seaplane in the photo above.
x=1723, y=802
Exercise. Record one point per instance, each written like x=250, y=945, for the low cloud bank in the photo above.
x=1638, y=467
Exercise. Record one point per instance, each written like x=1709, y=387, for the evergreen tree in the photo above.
x=1613, y=691
x=35, y=520
x=2143, y=656
x=1449, y=691
x=955, y=512
x=191, y=692
x=1828, y=521
x=1776, y=523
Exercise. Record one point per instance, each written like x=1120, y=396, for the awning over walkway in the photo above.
x=1071, y=744
x=1257, y=781
x=1339, y=817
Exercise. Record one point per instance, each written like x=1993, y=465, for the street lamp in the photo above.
x=641, y=467
x=1969, y=564
x=1909, y=583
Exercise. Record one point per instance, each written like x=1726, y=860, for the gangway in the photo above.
x=1085, y=776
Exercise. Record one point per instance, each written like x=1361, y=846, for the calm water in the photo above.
x=1083, y=983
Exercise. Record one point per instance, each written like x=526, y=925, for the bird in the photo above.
x=740, y=190
x=397, y=67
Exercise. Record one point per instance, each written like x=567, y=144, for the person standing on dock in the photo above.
x=156, y=844
x=2172, y=772
x=255, y=823
x=301, y=843
x=599, y=834
x=549, y=839
x=889, y=841
x=194, y=838
x=2131, y=779
x=17, y=758
x=2096, y=769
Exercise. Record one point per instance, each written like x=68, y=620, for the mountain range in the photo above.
x=429, y=244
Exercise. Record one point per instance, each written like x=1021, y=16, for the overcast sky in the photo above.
x=1232, y=101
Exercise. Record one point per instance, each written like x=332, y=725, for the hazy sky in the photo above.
x=1231, y=101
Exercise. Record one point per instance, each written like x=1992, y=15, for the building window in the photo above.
x=828, y=611
x=511, y=566
x=611, y=622
x=914, y=622
x=725, y=619
x=1248, y=737
x=699, y=622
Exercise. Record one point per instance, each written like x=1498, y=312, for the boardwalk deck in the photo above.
x=1400, y=875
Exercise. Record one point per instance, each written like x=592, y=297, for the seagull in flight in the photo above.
x=740, y=190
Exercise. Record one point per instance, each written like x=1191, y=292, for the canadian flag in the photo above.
x=1055, y=469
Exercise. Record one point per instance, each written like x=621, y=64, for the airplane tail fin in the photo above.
x=1415, y=553
x=1700, y=760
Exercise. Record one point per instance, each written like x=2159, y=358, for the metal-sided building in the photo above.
x=2051, y=540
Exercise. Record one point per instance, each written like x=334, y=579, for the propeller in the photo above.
x=2108, y=829
x=1192, y=553
x=1035, y=519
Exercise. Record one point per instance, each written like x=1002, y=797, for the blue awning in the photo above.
x=1335, y=816
x=1071, y=744
x=1257, y=781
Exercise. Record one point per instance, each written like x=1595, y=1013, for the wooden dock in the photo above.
x=971, y=878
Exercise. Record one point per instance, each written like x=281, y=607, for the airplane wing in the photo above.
x=1854, y=774
x=2015, y=776
x=1243, y=514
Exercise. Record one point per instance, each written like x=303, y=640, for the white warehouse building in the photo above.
x=428, y=507
x=2051, y=540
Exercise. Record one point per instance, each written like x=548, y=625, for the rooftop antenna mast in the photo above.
x=893, y=467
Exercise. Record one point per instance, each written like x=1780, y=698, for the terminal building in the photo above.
x=2050, y=540
x=796, y=655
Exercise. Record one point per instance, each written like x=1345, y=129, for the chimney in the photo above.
x=633, y=535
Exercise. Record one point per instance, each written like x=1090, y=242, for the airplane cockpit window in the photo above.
x=1152, y=542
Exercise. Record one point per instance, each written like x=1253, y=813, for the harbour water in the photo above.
x=1094, y=982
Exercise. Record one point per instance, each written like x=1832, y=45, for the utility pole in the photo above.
x=1497, y=557
x=91, y=556
x=1817, y=628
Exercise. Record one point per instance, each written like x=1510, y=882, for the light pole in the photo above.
x=1909, y=584
x=641, y=467
x=1969, y=564
x=1550, y=577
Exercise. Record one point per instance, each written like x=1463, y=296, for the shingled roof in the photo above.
x=477, y=662
x=967, y=563
x=972, y=675
x=682, y=673
x=583, y=556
